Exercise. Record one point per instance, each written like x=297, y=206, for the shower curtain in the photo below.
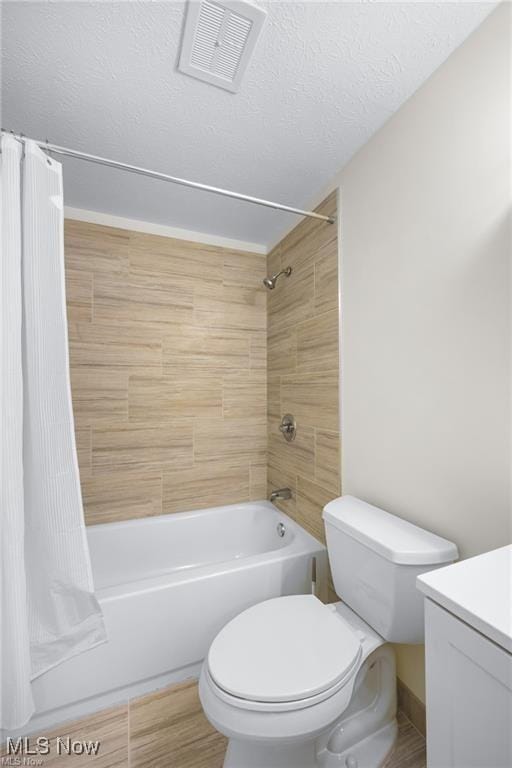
x=48, y=611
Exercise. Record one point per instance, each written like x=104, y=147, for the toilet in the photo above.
x=295, y=683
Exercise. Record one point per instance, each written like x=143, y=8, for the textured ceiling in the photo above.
x=101, y=77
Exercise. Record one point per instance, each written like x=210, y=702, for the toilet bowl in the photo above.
x=294, y=683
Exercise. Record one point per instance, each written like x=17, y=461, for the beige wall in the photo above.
x=168, y=370
x=425, y=250
x=303, y=366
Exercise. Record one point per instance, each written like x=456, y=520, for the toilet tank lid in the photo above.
x=391, y=537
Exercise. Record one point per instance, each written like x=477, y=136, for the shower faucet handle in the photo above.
x=288, y=427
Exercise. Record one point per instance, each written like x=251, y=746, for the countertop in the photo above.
x=478, y=591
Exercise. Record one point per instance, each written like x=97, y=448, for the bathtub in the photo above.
x=167, y=585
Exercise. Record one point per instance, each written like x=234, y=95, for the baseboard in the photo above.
x=412, y=707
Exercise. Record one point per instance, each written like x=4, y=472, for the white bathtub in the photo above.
x=166, y=586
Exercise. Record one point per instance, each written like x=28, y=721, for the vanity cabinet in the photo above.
x=469, y=695
x=468, y=645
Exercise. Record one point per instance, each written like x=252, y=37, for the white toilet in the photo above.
x=294, y=683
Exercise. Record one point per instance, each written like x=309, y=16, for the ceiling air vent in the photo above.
x=219, y=39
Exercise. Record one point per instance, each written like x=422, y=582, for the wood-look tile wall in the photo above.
x=303, y=369
x=167, y=342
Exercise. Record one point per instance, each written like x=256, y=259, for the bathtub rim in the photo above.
x=136, y=522
x=301, y=543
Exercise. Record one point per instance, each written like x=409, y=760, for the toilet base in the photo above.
x=371, y=752
x=362, y=737
x=242, y=754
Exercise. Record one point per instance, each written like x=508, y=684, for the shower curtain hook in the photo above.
x=48, y=150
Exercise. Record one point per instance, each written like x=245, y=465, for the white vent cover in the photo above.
x=218, y=40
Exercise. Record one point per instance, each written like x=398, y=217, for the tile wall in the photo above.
x=167, y=346
x=303, y=369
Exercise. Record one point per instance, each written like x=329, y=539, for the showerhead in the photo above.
x=270, y=282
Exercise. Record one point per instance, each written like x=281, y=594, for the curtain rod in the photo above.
x=44, y=145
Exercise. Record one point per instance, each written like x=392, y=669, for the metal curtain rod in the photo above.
x=44, y=145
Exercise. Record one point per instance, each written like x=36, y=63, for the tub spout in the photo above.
x=281, y=493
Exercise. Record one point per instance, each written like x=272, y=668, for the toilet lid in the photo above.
x=284, y=649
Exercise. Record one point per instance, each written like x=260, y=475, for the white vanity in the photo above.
x=468, y=643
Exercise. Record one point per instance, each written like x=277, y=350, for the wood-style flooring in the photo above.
x=410, y=749
x=167, y=729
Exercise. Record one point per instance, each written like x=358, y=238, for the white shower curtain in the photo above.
x=48, y=611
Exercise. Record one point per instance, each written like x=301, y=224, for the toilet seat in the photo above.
x=286, y=653
x=277, y=706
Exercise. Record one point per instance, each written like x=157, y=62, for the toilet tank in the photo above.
x=375, y=558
